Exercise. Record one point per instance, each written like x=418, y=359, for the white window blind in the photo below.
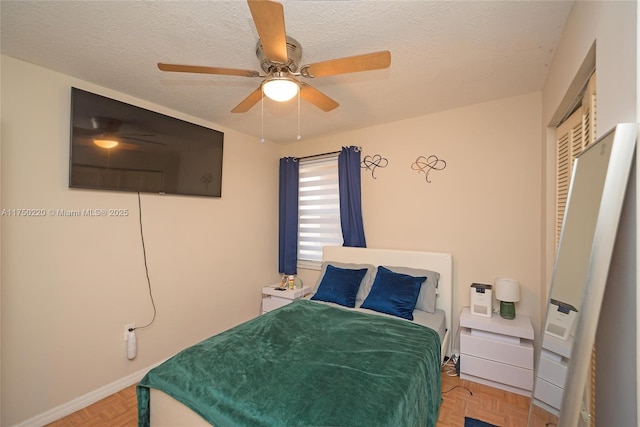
x=318, y=209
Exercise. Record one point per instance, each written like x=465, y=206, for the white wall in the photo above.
x=484, y=207
x=69, y=285
x=612, y=26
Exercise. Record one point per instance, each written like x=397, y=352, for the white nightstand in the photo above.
x=273, y=298
x=552, y=372
x=497, y=352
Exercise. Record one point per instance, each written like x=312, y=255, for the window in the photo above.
x=318, y=209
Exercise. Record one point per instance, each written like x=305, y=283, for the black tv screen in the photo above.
x=118, y=146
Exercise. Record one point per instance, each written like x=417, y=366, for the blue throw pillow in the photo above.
x=339, y=285
x=394, y=293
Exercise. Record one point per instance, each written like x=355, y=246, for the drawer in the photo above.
x=552, y=371
x=495, y=371
x=548, y=393
x=271, y=303
x=516, y=354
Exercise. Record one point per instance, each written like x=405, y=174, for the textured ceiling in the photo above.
x=445, y=54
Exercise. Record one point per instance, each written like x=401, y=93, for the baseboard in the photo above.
x=85, y=400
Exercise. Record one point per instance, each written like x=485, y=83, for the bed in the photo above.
x=315, y=362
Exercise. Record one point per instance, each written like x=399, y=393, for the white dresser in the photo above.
x=497, y=352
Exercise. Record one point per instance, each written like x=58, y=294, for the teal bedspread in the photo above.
x=307, y=364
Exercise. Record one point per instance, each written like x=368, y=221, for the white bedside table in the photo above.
x=552, y=372
x=497, y=352
x=273, y=298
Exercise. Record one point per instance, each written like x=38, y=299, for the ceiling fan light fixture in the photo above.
x=105, y=142
x=280, y=89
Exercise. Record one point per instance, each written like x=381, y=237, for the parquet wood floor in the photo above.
x=461, y=399
x=118, y=410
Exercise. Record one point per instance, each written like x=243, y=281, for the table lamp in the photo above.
x=508, y=293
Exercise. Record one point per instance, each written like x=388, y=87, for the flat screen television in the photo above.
x=121, y=147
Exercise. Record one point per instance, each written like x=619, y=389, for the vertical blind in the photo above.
x=318, y=209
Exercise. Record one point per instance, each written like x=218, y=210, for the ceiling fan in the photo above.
x=279, y=57
x=105, y=133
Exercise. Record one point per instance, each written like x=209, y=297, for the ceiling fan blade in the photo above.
x=207, y=70
x=249, y=101
x=83, y=133
x=146, y=141
x=351, y=64
x=269, y=19
x=317, y=98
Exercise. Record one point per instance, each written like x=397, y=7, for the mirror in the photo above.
x=597, y=190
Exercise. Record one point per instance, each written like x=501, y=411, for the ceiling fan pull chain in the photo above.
x=299, y=137
x=262, y=118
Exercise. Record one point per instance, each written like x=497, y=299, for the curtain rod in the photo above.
x=318, y=155
x=323, y=154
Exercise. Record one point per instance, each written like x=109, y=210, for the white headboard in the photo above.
x=434, y=261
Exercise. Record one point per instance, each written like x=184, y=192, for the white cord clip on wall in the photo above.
x=132, y=346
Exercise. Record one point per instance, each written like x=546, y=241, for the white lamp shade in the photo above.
x=507, y=290
x=280, y=89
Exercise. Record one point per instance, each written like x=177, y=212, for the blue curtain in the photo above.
x=350, y=197
x=288, y=234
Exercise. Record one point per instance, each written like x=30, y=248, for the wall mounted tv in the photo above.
x=121, y=147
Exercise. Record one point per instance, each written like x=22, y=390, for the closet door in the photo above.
x=572, y=136
x=575, y=134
